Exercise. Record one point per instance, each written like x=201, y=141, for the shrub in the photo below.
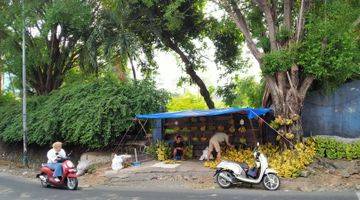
x=334, y=149
x=91, y=114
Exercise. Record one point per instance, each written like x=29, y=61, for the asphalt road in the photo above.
x=13, y=188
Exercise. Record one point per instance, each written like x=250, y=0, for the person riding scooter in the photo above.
x=54, y=156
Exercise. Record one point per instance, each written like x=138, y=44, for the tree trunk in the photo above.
x=132, y=66
x=1, y=82
x=288, y=95
x=120, y=69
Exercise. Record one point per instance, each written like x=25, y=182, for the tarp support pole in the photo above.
x=157, y=131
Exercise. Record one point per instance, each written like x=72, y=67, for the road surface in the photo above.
x=13, y=188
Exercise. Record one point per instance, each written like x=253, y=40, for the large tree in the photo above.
x=177, y=26
x=297, y=43
x=55, y=34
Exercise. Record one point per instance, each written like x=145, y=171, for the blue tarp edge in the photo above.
x=251, y=113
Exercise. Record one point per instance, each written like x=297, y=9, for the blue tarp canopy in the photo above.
x=250, y=112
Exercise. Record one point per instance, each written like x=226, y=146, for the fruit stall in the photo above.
x=244, y=126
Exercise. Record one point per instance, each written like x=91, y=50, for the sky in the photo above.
x=169, y=71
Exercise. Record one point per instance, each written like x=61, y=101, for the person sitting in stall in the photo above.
x=214, y=143
x=178, y=146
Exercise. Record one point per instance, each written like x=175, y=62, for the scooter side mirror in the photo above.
x=69, y=154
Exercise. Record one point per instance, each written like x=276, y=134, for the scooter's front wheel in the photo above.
x=43, y=181
x=221, y=180
x=271, y=181
x=72, y=183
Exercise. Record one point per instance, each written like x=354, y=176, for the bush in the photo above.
x=334, y=149
x=91, y=114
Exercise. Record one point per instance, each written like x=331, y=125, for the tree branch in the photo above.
x=274, y=90
x=295, y=76
x=270, y=20
x=301, y=20
x=288, y=4
x=266, y=96
x=189, y=68
x=281, y=79
x=233, y=10
x=305, y=86
x=292, y=87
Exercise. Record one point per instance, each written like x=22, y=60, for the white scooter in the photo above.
x=229, y=173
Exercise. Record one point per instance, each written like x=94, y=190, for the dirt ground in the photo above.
x=322, y=175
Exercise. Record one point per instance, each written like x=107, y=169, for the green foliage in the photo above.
x=189, y=151
x=186, y=101
x=283, y=35
x=58, y=30
x=151, y=150
x=276, y=61
x=331, y=48
x=6, y=98
x=227, y=40
x=91, y=114
x=334, y=149
x=67, y=14
x=242, y=92
x=255, y=20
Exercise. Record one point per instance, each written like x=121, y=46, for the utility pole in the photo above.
x=25, y=158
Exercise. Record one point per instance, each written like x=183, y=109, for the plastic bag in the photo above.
x=118, y=160
x=205, y=154
x=116, y=163
x=82, y=167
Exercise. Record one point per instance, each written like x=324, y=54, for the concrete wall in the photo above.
x=336, y=114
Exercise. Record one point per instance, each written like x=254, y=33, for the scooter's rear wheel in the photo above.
x=72, y=183
x=222, y=182
x=271, y=182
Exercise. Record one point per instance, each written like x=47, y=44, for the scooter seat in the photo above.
x=244, y=166
x=45, y=165
x=253, y=172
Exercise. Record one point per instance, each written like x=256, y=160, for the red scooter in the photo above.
x=68, y=180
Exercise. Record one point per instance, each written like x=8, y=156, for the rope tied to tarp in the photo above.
x=277, y=132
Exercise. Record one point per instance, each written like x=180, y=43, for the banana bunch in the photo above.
x=242, y=129
x=289, y=136
x=188, y=152
x=163, y=151
x=170, y=162
x=242, y=140
x=195, y=139
x=211, y=164
x=295, y=117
